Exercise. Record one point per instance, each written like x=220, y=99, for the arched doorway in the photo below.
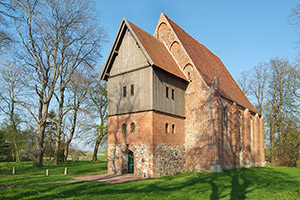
x=130, y=162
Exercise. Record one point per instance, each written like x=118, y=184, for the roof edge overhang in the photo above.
x=116, y=45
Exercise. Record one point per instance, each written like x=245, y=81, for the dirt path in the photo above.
x=110, y=178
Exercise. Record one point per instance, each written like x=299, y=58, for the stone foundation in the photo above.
x=169, y=160
x=118, y=159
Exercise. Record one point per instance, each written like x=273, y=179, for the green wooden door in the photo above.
x=130, y=162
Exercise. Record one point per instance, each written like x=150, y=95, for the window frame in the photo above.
x=131, y=89
x=124, y=91
x=132, y=127
x=124, y=128
x=167, y=128
x=173, y=94
x=167, y=92
x=173, y=128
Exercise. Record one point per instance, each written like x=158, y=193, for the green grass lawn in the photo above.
x=252, y=183
x=74, y=168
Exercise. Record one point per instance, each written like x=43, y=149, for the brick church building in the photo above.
x=173, y=106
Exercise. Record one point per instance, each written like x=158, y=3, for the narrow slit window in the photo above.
x=167, y=128
x=124, y=91
x=225, y=119
x=173, y=94
x=251, y=135
x=124, y=128
x=131, y=90
x=167, y=92
x=173, y=128
x=132, y=127
x=240, y=123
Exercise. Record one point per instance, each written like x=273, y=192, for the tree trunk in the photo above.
x=298, y=159
x=40, y=146
x=57, y=143
x=15, y=147
x=272, y=141
x=66, y=152
x=57, y=157
x=17, y=153
x=96, y=149
x=281, y=150
x=71, y=135
x=43, y=113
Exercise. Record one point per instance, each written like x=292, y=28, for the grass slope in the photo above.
x=252, y=183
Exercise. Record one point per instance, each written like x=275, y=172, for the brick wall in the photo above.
x=140, y=143
x=156, y=153
x=169, y=149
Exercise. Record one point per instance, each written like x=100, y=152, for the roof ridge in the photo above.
x=129, y=24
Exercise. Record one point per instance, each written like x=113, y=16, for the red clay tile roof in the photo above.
x=210, y=66
x=157, y=51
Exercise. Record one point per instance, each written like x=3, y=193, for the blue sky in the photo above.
x=242, y=33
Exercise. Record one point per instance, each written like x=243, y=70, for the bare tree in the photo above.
x=253, y=83
x=10, y=78
x=295, y=21
x=57, y=37
x=243, y=82
x=80, y=47
x=6, y=9
x=78, y=89
x=258, y=86
x=97, y=102
x=274, y=86
x=280, y=90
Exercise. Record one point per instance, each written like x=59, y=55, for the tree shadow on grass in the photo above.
x=230, y=184
x=245, y=181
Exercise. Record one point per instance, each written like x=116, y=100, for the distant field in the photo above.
x=252, y=183
x=86, y=156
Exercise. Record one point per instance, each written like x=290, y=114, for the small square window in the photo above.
x=124, y=91
x=167, y=92
x=131, y=90
x=173, y=94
